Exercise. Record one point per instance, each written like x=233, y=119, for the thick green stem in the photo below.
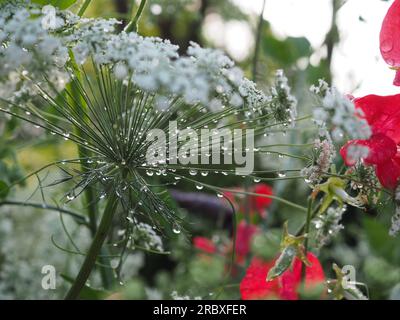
x=133, y=25
x=89, y=194
x=83, y=8
x=94, y=250
x=306, y=232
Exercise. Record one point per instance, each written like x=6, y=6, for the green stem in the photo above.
x=258, y=41
x=94, y=250
x=133, y=25
x=83, y=8
x=306, y=232
x=89, y=194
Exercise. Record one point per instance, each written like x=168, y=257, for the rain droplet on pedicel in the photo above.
x=193, y=172
x=204, y=173
x=149, y=173
x=220, y=195
x=281, y=174
x=176, y=228
x=387, y=46
x=199, y=186
x=256, y=180
x=70, y=196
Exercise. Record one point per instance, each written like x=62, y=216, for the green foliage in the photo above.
x=61, y=4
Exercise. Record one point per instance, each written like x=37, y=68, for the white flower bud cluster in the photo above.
x=339, y=114
x=282, y=103
x=324, y=155
x=395, y=228
x=28, y=51
x=144, y=235
x=328, y=225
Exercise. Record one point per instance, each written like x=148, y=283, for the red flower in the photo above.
x=390, y=39
x=258, y=203
x=255, y=287
x=204, y=244
x=383, y=115
x=244, y=235
x=261, y=203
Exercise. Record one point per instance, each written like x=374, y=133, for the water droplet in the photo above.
x=70, y=196
x=193, y=172
x=256, y=180
x=387, y=46
x=281, y=174
x=176, y=228
x=199, y=186
x=204, y=173
x=149, y=173
x=220, y=195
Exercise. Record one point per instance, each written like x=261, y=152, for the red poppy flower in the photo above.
x=255, y=287
x=390, y=39
x=383, y=115
x=244, y=235
x=204, y=244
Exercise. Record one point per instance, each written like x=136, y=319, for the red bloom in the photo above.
x=255, y=287
x=390, y=39
x=244, y=235
x=383, y=116
x=204, y=244
x=258, y=203
x=261, y=203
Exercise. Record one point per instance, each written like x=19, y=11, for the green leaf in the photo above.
x=282, y=263
x=61, y=4
x=381, y=243
x=3, y=189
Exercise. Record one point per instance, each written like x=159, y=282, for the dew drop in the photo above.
x=199, y=186
x=281, y=174
x=193, y=172
x=176, y=228
x=256, y=180
x=386, y=46
x=220, y=195
x=149, y=173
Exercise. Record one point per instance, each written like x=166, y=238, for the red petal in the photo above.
x=254, y=285
x=262, y=203
x=204, y=244
x=244, y=235
x=381, y=149
x=382, y=114
x=291, y=279
x=388, y=173
x=348, y=159
x=390, y=36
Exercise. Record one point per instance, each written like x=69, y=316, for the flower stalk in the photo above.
x=94, y=250
x=133, y=25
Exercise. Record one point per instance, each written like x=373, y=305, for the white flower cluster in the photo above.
x=36, y=43
x=28, y=51
x=328, y=225
x=325, y=153
x=281, y=102
x=338, y=113
x=145, y=236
